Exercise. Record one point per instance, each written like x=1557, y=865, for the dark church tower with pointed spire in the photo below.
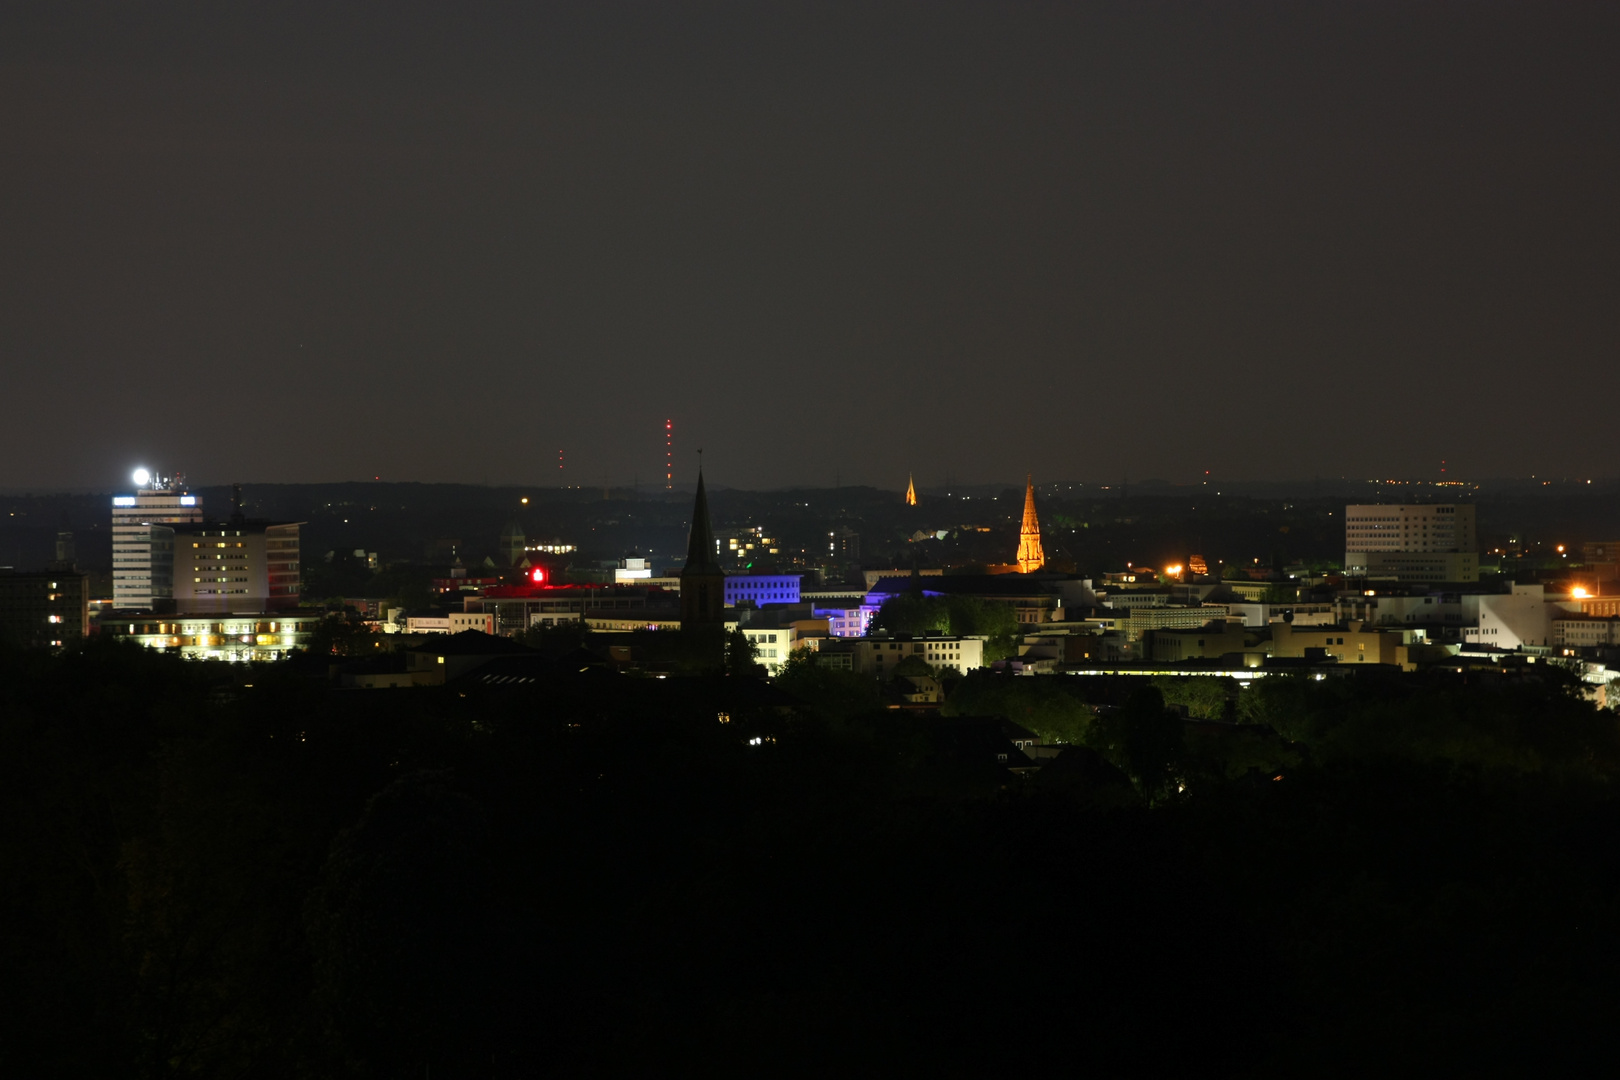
x=703, y=583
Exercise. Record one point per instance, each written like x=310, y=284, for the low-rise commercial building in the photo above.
x=1210, y=642
x=239, y=638
x=878, y=655
x=1572, y=631
x=1353, y=643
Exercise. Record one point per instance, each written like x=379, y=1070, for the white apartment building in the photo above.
x=143, y=541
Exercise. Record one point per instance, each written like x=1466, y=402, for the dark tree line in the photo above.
x=620, y=876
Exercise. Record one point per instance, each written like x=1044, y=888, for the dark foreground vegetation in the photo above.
x=598, y=876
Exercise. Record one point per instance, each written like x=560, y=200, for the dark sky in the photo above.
x=296, y=242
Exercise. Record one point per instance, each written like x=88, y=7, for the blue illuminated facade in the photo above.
x=762, y=589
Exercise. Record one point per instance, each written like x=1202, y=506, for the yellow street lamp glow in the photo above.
x=1579, y=592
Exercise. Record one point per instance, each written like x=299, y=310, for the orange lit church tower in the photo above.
x=1030, y=556
x=911, y=491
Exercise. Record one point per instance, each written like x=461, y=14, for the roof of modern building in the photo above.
x=472, y=643
x=969, y=585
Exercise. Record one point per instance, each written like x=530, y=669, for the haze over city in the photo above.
x=316, y=242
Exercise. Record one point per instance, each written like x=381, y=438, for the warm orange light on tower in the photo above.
x=1579, y=593
x=1030, y=555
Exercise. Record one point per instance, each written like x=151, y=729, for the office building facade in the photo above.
x=1412, y=543
x=235, y=566
x=143, y=527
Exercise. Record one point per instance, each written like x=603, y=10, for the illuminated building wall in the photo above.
x=234, y=567
x=762, y=589
x=878, y=656
x=1350, y=644
x=1515, y=620
x=846, y=621
x=215, y=638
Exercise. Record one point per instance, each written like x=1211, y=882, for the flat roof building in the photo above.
x=1412, y=543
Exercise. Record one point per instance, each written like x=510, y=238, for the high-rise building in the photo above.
x=1410, y=528
x=1030, y=555
x=1417, y=543
x=143, y=541
x=703, y=582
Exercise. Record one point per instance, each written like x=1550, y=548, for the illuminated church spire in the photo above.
x=1030, y=556
x=911, y=491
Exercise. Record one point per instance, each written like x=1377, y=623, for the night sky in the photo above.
x=300, y=242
